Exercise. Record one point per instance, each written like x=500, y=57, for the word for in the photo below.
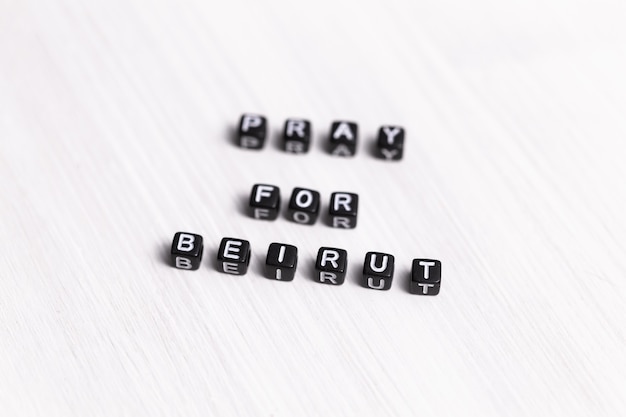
x=281, y=262
x=304, y=206
x=342, y=140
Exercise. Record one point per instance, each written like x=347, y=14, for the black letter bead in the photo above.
x=186, y=252
x=281, y=262
x=265, y=202
x=331, y=265
x=390, y=144
x=304, y=206
x=343, y=138
x=233, y=256
x=343, y=210
x=297, y=136
x=425, y=277
x=378, y=270
x=252, y=131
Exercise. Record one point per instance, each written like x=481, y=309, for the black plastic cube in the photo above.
x=297, y=136
x=378, y=270
x=186, y=251
x=343, y=138
x=252, y=131
x=281, y=262
x=264, y=202
x=331, y=266
x=304, y=206
x=425, y=277
x=343, y=210
x=233, y=256
x=390, y=143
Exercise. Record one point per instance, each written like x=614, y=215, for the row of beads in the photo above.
x=342, y=139
x=281, y=262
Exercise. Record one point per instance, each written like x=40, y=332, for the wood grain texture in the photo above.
x=115, y=121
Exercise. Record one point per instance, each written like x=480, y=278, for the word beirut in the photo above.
x=304, y=206
x=233, y=257
x=342, y=140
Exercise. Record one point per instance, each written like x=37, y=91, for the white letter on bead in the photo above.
x=185, y=242
x=263, y=191
x=373, y=266
x=231, y=248
x=425, y=287
x=389, y=153
x=260, y=213
x=294, y=146
x=342, y=200
x=330, y=276
x=295, y=126
x=391, y=133
x=250, y=120
x=230, y=268
x=250, y=142
x=341, y=222
x=343, y=130
x=426, y=271
x=304, y=198
x=380, y=286
x=329, y=255
x=183, y=263
x=301, y=217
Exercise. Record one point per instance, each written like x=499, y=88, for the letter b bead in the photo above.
x=186, y=252
x=378, y=270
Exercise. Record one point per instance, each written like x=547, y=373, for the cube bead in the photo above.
x=331, y=266
x=186, y=251
x=233, y=256
x=281, y=262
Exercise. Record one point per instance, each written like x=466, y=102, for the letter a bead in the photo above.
x=343, y=138
x=186, y=252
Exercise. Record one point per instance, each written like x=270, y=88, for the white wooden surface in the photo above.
x=114, y=134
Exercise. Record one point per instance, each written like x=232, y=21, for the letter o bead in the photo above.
x=186, y=251
x=304, y=206
x=233, y=256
